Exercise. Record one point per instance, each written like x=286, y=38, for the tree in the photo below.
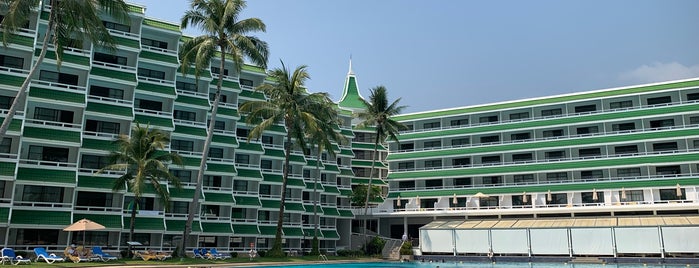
x=226, y=35
x=70, y=22
x=359, y=193
x=298, y=110
x=322, y=139
x=143, y=158
x=378, y=115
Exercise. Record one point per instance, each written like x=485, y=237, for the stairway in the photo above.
x=391, y=251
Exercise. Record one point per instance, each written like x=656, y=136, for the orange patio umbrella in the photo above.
x=84, y=225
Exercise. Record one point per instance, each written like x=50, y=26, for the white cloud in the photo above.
x=658, y=72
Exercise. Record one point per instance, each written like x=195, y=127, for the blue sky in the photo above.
x=448, y=53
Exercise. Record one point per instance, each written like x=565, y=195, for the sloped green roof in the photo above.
x=350, y=94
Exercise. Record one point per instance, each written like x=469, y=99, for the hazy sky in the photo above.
x=450, y=53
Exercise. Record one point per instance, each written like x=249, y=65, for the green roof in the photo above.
x=161, y=25
x=153, y=224
x=178, y=226
x=253, y=68
x=217, y=228
x=247, y=201
x=40, y=175
x=350, y=95
x=109, y=221
x=330, y=234
x=245, y=229
x=549, y=100
x=48, y=217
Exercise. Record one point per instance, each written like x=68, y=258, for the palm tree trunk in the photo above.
x=276, y=250
x=135, y=203
x=368, y=188
x=316, y=220
x=24, y=89
x=194, y=205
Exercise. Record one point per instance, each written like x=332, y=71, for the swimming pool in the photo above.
x=469, y=265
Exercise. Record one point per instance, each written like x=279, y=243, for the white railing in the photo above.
x=58, y=85
x=220, y=160
x=153, y=112
x=66, y=49
x=157, y=49
x=224, y=132
x=225, y=77
x=114, y=66
x=110, y=100
x=14, y=70
x=124, y=34
x=192, y=93
x=42, y=204
x=93, y=171
x=97, y=209
x=156, y=80
x=47, y=163
x=53, y=123
x=188, y=153
x=189, y=123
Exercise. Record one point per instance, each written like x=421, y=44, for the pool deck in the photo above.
x=249, y=264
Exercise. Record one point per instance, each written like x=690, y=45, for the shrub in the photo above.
x=406, y=248
x=234, y=254
x=349, y=253
x=262, y=253
x=374, y=246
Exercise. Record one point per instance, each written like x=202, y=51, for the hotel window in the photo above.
x=63, y=78
x=182, y=145
x=587, y=130
x=407, y=146
x=94, y=161
x=151, y=73
x=182, y=175
x=242, y=132
x=431, y=125
x=665, y=146
x=116, y=26
x=694, y=120
x=240, y=185
x=406, y=185
x=191, y=87
x=668, y=170
x=591, y=174
x=557, y=176
x=552, y=112
x=222, y=98
x=521, y=136
x=6, y=102
x=106, y=92
x=489, y=139
x=589, y=152
x=462, y=182
x=662, y=123
x=6, y=145
x=492, y=180
x=245, y=82
x=219, y=125
x=492, y=201
x=266, y=164
x=212, y=181
x=408, y=127
x=185, y=115
x=585, y=108
x=216, y=152
x=488, y=119
x=432, y=144
x=631, y=195
x=45, y=153
x=217, y=70
x=48, y=194
x=523, y=178
x=148, y=105
x=265, y=189
x=623, y=126
x=628, y=172
x=620, y=104
x=53, y=115
x=552, y=133
x=696, y=144
x=153, y=43
x=461, y=161
x=460, y=141
x=522, y=115
x=518, y=200
x=626, y=149
x=102, y=126
x=433, y=163
x=557, y=199
x=433, y=183
x=692, y=96
x=459, y=122
x=267, y=139
x=671, y=194
x=113, y=59
x=555, y=154
x=406, y=165
x=11, y=62
x=659, y=100
x=94, y=199
x=494, y=159
x=522, y=157
x=589, y=197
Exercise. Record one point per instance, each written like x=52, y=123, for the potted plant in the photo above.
x=406, y=251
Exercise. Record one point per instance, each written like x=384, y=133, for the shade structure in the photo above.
x=525, y=198
x=455, y=201
x=480, y=195
x=594, y=195
x=398, y=201
x=83, y=225
x=679, y=190
x=623, y=193
x=548, y=196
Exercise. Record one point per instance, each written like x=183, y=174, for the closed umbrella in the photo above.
x=679, y=190
x=623, y=193
x=84, y=225
x=455, y=201
x=548, y=196
x=525, y=198
x=594, y=195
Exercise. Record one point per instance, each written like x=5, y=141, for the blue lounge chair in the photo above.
x=41, y=254
x=8, y=254
x=220, y=256
x=197, y=253
x=97, y=252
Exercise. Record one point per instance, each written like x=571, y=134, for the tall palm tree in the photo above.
x=378, y=114
x=70, y=22
x=322, y=139
x=143, y=158
x=290, y=103
x=226, y=34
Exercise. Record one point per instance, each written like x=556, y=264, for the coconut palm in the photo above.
x=322, y=139
x=298, y=110
x=378, y=115
x=70, y=22
x=224, y=35
x=143, y=158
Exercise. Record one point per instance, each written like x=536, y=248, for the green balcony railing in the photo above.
x=40, y=175
x=57, y=95
x=154, y=121
x=125, y=76
x=51, y=134
x=158, y=89
x=109, y=109
x=169, y=59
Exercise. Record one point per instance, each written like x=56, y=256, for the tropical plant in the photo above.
x=143, y=157
x=224, y=35
x=359, y=194
x=70, y=22
x=289, y=103
x=378, y=115
x=322, y=139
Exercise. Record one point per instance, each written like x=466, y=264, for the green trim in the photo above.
x=247, y=201
x=221, y=167
x=374, y=181
x=251, y=94
x=245, y=229
x=292, y=232
x=309, y=209
x=253, y=68
x=227, y=140
x=350, y=95
x=51, y=134
x=102, y=145
x=127, y=42
x=548, y=100
x=205, y=73
x=162, y=25
x=40, y=175
x=189, y=130
x=346, y=213
x=268, y=230
x=226, y=84
x=57, y=95
x=548, y=166
x=346, y=172
x=290, y=206
x=228, y=112
x=219, y=198
x=170, y=59
x=271, y=204
x=136, y=9
x=251, y=147
x=109, y=221
x=19, y=40
x=11, y=80
x=99, y=182
x=142, y=223
x=331, y=189
x=295, y=183
x=346, y=152
x=216, y=227
x=115, y=74
x=184, y=193
x=48, y=217
x=330, y=234
x=178, y=226
x=346, y=192
x=109, y=109
x=274, y=153
x=367, y=163
x=368, y=146
x=249, y=173
x=71, y=58
x=200, y=102
x=331, y=168
x=158, y=89
x=330, y=211
x=273, y=178
x=154, y=121
x=297, y=159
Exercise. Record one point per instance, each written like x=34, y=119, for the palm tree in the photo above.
x=70, y=22
x=378, y=114
x=143, y=158
x=226, y=35
x=322, y=139
x=299, y=111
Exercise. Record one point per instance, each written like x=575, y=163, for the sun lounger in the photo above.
x=8, y=254
x=145, y=255
x=220, y=256
x=41, y=254
x=97, y=252
x=161, y=256
x=75, y=258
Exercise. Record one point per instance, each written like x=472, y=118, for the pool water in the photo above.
x=470, y=265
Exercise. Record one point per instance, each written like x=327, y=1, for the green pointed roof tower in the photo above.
x=350, y=93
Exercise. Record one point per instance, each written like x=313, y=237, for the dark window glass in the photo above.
x=620, y=104
x=433, y=163
x=659, y=100
x=406, y=165
x=220, y=125
x=522, y=115
x=459, y=122
x=523, y=178
x=557, y=176
x=522, y=157
x=553, y=133
x=431, y=125
x=489, y=139
x=216, y=152
x=11, y=62
x=182, y=145
x=555, y=154
x=626, y=149
x=185, y=115
x=488, y=119
x=102, y=126
x=550, y=112
x=47, y=114
x=6, y=102
x=628, y=172
x=149, y=105
x=587, y=130
x=460, y=141
x=592, y=197
x=6, y=145
x=113, y=59
x=245, y=82
x=490, y=159
x=668, y=170
x=406, y=184
x=557, y=199
x=36, y=193
x=433, y=183
x=267, y=139
x=45, y=153
x=191, y=87
x=462, y=182
x=461, y=161
x=591, y=174
x=116, y=26
x=151, y=73
x=521, y=136
x=623, y=127
x=407, y=146
x=94, y=161
x=217, y=70
x=432, y=144
x=492, y=180
x=107, y=92
x=153, y=43
x=68, y=79
x=671, y=194
x=589, y=152
x=693, y=96
x=585, y=108
x=662, y=123
x=665, y=146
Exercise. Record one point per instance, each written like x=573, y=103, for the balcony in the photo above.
x=156, y=87
x=62, y=174
x=65, y=134
x=196, y=100
x=73, y=57
x=158, y=56
x=58, y=93
x=23, y=39
x=126, y=41
x=121, y=76
x=154, y=118
x=190, y=129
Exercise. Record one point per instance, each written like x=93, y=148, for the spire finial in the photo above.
x=350, y=66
